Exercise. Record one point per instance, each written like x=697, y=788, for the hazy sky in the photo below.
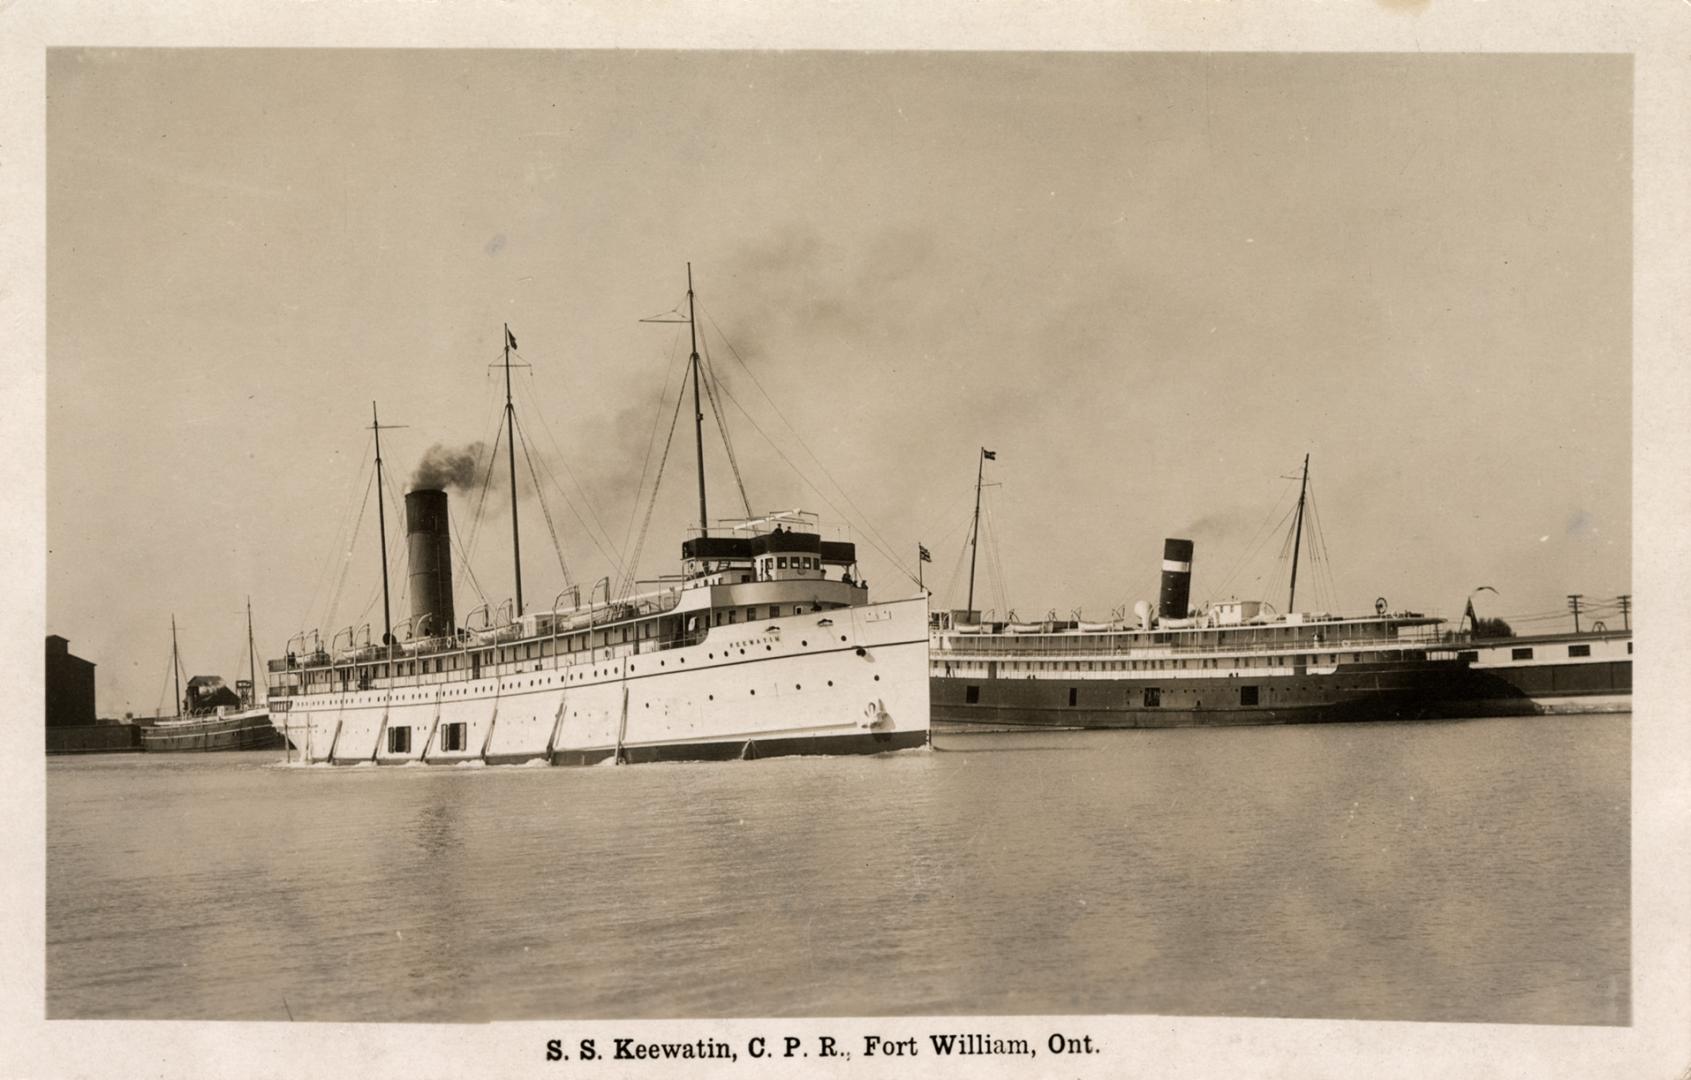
x=1151, y=283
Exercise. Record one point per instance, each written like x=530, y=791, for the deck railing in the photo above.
x=952, y=643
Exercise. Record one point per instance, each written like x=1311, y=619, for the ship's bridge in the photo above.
x=783, y=547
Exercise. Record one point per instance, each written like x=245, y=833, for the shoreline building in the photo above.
x=70, y=685
x=72, y=726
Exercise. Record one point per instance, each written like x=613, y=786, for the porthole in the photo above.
x=830, y=682
x=804, y=644
x=796, y=686
x=877, y=678
x=713, y=697
x=754, y=693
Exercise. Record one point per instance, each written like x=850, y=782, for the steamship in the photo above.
x=1239, y=662
x=766, y=644
x=211, y=716
x=1233, y=662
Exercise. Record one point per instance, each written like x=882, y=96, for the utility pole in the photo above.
x=1626, y=609
x=1573, y=605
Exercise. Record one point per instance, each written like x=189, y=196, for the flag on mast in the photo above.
x=510, y=338
x=990, y=455
x=922, y=553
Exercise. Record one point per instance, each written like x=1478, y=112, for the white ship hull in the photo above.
x=849, y=680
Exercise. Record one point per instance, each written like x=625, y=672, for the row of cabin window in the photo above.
x=1212, y=638
x=1165, y=665
x=778, y=562
x=535, y=649
x=505, y=654
x=1526, y=653
x=1150, y=697
x=729, y=616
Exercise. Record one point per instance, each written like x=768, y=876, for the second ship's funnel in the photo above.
x=429, y=543
x=1177, y=579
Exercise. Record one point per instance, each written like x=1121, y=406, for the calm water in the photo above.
x=1471, y=871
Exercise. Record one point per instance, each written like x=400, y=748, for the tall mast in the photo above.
x=176, y=665
x=1297, y=540
x=252, y=660
x=511, y=448
x=382, y=525
x=698, y=413
x=975, y=531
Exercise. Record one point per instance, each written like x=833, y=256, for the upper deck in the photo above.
x=1229, y=628
x=725, y=580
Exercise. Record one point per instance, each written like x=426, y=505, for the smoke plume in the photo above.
x=452, y=467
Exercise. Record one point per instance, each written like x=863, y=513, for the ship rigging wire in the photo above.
x=631, y=567
x=942, y=541
x=595, y=528
x=711, y=386
x=346, y=560
x=951, y=583
x=399, y=551
x=464, y=561
x=396, y=550
x=341, y=540
x=545, y=511
x=994, y=552
x=873, y=534
x=1259, y=539
x=169, y=667
x=670, y=366
x=1321, y=550
x=481, y=502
